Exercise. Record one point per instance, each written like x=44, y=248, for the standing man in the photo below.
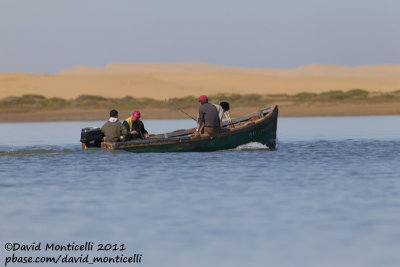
x=208, y=115
x=113, y=130
x=135, y=126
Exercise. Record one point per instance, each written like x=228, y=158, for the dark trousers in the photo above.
x=212, y=130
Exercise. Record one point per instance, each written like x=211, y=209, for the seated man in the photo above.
x=113, y=130
x=222, y=108
x=135, y=126
x=208, y=115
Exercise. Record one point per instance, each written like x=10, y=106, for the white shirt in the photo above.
x=220, y=111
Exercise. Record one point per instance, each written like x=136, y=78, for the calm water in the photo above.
x=329, y=196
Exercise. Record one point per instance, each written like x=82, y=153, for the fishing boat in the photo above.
x=258, y=127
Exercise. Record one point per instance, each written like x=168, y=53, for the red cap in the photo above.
x=203, y=98
x=135, y=115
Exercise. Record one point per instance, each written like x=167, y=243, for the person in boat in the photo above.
x=222, y=108
x=209, y=116
x=113, y=130
x=135, y=127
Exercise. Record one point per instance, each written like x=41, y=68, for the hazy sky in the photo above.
x=47, y=36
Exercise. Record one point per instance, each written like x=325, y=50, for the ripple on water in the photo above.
x=331, y=202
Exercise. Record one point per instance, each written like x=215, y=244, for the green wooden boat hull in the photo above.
x=262, y=130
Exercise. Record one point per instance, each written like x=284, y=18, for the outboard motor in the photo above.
x=91, y=137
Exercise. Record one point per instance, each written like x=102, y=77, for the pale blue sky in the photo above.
x=47, y=36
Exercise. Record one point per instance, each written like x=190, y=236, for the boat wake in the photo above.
x=252, y=146
x=21, y=151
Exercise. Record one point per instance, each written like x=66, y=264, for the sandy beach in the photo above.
x=161, y=81
x=285, y=110
x=165, y=81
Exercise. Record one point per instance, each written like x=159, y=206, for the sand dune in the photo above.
x=306, y=70
x=162, y=81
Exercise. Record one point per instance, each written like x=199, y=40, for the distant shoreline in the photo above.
x=355, y=102
x=86, y=93
x=163, y=81
x=285, y=110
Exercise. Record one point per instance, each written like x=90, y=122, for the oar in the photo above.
x=182, y=110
